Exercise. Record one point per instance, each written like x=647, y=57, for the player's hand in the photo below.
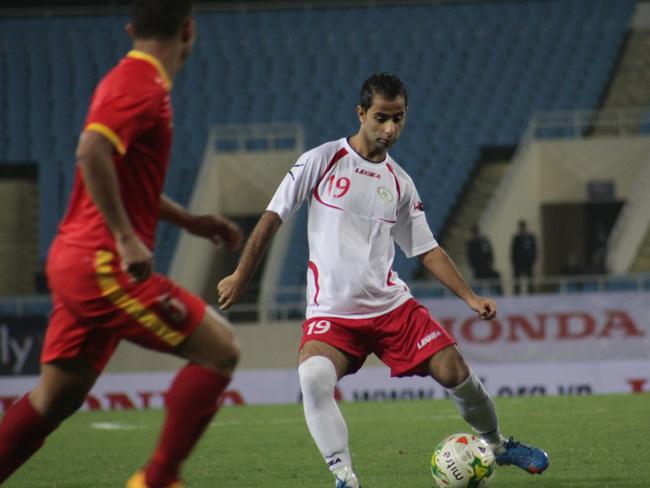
x=229, y=290
x=486, y=308
x=218, y=229
x=137, y=259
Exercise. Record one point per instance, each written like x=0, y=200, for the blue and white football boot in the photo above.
x=528, y=458
x=345, y=478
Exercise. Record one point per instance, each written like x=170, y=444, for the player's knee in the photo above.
x=57, y=407
x=62, y=388
x=231, y=355
x=453, y=371
x=454, y=375
x=225, y=358
x=71, y=405
x=213, y=345
x=317, y=376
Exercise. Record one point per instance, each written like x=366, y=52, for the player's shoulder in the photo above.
x=131, y=78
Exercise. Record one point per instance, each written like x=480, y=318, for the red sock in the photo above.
x=191, y=403
x=22, y=432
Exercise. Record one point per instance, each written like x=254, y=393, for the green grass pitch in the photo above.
x=593, y=442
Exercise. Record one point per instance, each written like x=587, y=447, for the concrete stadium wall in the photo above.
x=566, y=166
x=233, y=184
x=628, y=234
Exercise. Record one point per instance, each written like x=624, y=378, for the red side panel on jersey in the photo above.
x=314, y=269
x=399, y=190
x=337, y=156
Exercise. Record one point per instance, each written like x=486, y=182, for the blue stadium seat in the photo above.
x=580, y=286
x=590, y=286
x=8, y=308
x=621, y=284
x=645, y=283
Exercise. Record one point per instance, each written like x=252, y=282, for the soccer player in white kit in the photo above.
x=361, y=202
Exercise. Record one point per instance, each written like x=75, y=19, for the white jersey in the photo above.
x=358, y=209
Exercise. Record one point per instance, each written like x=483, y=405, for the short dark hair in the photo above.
x=385, y=84
x=160, y=19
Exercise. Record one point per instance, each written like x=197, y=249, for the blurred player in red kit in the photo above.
x=100, y=264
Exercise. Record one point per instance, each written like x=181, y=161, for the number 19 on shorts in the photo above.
x=318, y=327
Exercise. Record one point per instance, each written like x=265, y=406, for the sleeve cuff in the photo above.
x=109, y=134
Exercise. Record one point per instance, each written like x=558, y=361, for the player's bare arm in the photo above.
x=443, y=268
x=231, y=287
x=215, y=228
x=95, y=159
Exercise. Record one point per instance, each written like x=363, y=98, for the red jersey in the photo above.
x=131, y=107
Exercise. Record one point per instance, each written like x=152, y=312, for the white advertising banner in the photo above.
x=146, y=390
x=580, y=327
x=538, y=345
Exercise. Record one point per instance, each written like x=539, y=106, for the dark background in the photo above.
x=14, y=4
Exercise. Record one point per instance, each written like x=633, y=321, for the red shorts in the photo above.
x=403, y=339
x=96, y=305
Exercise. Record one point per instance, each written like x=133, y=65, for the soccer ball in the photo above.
x=462, y=461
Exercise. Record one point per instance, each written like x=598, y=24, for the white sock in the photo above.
x=477, y=408
x=324, y=420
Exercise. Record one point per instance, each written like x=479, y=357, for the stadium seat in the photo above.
x=621, y=284
x=645, y=283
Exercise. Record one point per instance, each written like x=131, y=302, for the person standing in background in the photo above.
x=523, y=255
x=481, y=260
x=479, y=255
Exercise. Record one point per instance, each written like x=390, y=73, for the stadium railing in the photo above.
x=290, y=301
x=577, y=124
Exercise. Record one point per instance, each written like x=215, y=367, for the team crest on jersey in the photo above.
x=385, y=194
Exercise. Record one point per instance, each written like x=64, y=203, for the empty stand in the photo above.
x=475, y=74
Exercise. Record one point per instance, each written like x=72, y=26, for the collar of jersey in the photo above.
x=354, y=151
x=155, y=62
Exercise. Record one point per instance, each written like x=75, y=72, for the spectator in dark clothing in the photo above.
x=481, y=259
x=479, y=254
x=523, y=254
